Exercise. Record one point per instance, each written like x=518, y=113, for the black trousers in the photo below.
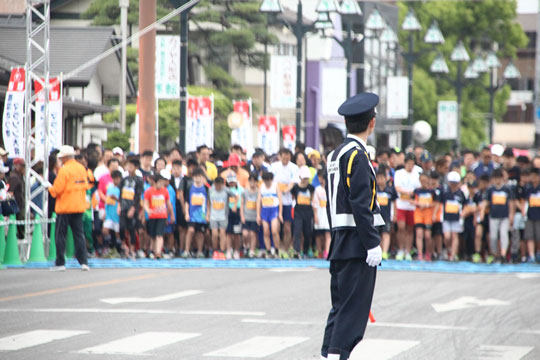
x=303, y=225
x=351, y=287
x=76, y=224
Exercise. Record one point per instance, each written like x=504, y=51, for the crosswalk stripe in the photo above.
x=36, y=337
x=258, y=347
x=494, y=352
x=139, y=344
x=380, y=349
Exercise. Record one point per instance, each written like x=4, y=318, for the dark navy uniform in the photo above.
x=354, y=215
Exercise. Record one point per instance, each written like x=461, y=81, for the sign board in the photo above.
x=13, y=119
x=167, y=67
x=268, y=134
x=289, y=137
x=447, y=120
x=55, y=118
x=199, y=122
x=397, y=97
x=333, y=89
x=283, y=82
x=243, y=135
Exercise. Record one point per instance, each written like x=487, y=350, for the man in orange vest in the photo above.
x=69, y=190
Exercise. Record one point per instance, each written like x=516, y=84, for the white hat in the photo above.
x=304, y=173
x=165, y=174
x=66, y=150
x=454, y=177
x=231, y=177
x=3, y=169
x=118, y=151
x=497, y=149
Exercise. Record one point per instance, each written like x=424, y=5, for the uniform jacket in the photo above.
x=69, y=188
x=352, y=207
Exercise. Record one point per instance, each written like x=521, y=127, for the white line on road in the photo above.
x=467, y=302
x=36, y=337
x=258, y=347
x=525, y=276
x=281, y=322
x=284, y=270
x=139, y=344
x=535, y=332
x=494, y=352
x=418, y=326
x=177, y=295
x=381, y=349
x=139, y=311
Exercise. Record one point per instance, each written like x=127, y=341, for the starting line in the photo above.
x=387, y=265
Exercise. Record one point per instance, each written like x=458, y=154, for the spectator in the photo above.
x=203, y=156
x=485, y=166
x=241, y=175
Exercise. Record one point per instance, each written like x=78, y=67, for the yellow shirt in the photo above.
x=211, y=171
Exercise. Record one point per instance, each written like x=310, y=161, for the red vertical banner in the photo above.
x=268, y=134
x=55, y=117
x=243, y=135
x=13, y=119
x=289, y=137
x=200, y=122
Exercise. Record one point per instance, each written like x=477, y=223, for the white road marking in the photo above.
x=525, y=276
x=418, y=326
x=283, y=270
x=380, y=349
x=467, y=302
x=36, y=337
x=139, y=344
x=281, y=322
x=162, y=298
x=535, y=332
x=494, y=352
x=258, y=347
x=138, y=311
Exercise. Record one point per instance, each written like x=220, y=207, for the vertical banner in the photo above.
x=55, y=118
x=200, y=122
x=167, y=67
x=268, y=134
x=13, y=119
x=397, y=97
x=447, y=120
x=289, y=137
x=283, y=82
x=243, y=135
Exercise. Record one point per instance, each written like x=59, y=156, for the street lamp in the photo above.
x=300, y=30
x=376, y=24
x=348, y=10
x=433, y=36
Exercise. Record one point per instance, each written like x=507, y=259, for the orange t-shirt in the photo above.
x=157, y=201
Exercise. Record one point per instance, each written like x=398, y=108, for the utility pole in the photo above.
x=147, y=80
x=124, y=5
x=537, y=77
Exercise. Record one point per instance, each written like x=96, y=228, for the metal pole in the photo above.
x=360, y=73
x=406, y=135
x=379, y=65
x=299, y=32
x=124, y=4
x=537, y=78
x=348, y=54
x=459, y=85
x=491, y=106
x=183, y=75
x=265, y=76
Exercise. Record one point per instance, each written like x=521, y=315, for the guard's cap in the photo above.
x=359, y=107
x=453, y=177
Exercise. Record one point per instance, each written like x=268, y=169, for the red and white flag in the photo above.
x=55, y=117
x=14, y=113
x=268, y=134
x=200, y=122
x=289, y=137
x=243, y=135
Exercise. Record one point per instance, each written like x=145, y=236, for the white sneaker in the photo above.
x=58, y=268
x=236, y=255
x=166, y=256
x=85, y=267
x=228, y=256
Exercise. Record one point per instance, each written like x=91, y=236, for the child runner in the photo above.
x=131, y=189
x=269, y=212
x=196, y=210
x=437, y=228
x=532, y=227
x=234, y=228
x=248, y=214
x=322, y=226
x=157, y=205
x=183, y=195
x=171, y=223
x=176, y=182
x=453, y=200
x=481, y=221
x=424, y=201
x=218, y=209
x=112, y=219
x=499, y=198
x=386, y=197
x=303, y=212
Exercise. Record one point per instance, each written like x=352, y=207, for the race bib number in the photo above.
x=251, y=205
x=283, y=187
x=110, y=201
x=158, y=202
x=425, y=199
x=233, y=200
x=128, y=193
x=303, y=200
x=452, y=207
x=534, y=200
x=268, y=201
x=218, y=205
x=197, y=200
x=405, y=197
x=322, y=203
x=382, y=200
x=499, y=198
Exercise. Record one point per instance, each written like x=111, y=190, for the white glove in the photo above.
x=374, y=256
x=47, y=185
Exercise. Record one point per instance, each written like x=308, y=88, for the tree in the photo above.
x=479, y=25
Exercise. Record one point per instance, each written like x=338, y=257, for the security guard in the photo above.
x=354, y=214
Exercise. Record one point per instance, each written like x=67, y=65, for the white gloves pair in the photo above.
x=374, y=256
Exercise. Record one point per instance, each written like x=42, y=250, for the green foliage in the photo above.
x=479, y=25
x=117, y=138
